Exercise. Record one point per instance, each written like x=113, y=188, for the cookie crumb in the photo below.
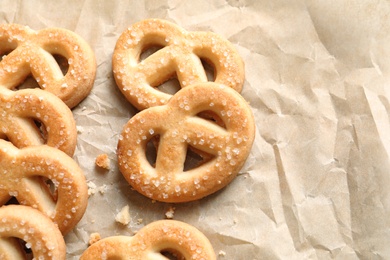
x=93, y=238
x=170, y=212
x=103, y=161
x=80, y=129
x=222, y=253
x=139, y=221
x=91, y=188
x=102, y=189
x=123, y=216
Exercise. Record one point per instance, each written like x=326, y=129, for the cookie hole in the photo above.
x=172, y=254
x=20, y=248
x=42, y=131
x=62, y=62
x=27, y=249
x=4, y=53
x=151, y=150
x=148, y=51
x=170, y=86
x=51, y=188
x=212, y=117
x=12, y=201
x=28, y=83
x=6, y=47
x=4, y=137
x=209, y=69
x=195, y=158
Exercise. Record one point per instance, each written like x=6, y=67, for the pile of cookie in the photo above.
x=206, y=117
x=43, y=191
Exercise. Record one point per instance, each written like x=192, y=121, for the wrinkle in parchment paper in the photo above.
x=315, y=185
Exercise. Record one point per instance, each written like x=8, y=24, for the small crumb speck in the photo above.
x=93, y=238
x=170, y=213
x=222, y=253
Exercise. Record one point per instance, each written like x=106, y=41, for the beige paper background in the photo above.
x=316, y=185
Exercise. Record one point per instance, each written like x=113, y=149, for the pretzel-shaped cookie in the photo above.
x=23, y=173
x=178, y=127
x=38, y=231
x=19, y=112
x=31, y=52
x=181, y=56
x=149, y=242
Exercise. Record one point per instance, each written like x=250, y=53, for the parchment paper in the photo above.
x=316, y=185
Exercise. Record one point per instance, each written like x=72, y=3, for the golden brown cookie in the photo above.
x=178, y=127
x=30, y=52
x=34, y=117
x=44, y=178
x=180, y=56
x=152, y=241
x=39, y=233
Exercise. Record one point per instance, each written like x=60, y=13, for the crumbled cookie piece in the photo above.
x=102, y=189
x=222, y=253
x=123, y=216
x=93, y=238
x=170, y=212
x=92, y=188
x=79, y=129
x=103, y=161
